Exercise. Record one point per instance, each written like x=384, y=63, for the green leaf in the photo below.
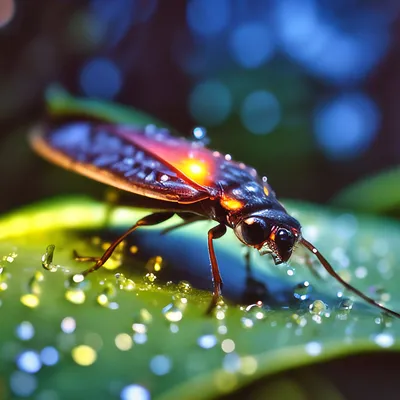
x=140, y=331
x=60, y=102
x=375, y=194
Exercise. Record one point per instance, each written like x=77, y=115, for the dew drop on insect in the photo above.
x=160, y=365
x=302, y=291
x=68, y=325
x=313, y=348
x=47, y=259
x=134, y=392
x=199, y=132
x=29, y=361
x=317, y=307
x=172, y=313
x=23, y=384
x=384, y=340
x=84, y=355
x=207, y=341
x=25, y=330
x=123, y=341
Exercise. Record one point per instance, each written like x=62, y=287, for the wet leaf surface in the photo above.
x=140, y=329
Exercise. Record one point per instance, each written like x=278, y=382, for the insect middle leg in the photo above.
x=149, y=220
x=215, y=233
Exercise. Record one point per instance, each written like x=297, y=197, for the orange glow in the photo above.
x=272, y=236
x=194, y=169
x=266, y=191
x=230, y=204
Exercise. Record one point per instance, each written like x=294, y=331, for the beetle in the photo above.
x=181, y=177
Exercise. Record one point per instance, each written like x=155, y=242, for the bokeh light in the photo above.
x=208, y=17
x=260, y=112
x=346, y=125
x=100, y=77
x=210, y=102
x=251, y=45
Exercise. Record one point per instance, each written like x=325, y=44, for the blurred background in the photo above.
x=307, y=92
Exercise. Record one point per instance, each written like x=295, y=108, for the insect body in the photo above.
x=184, y=178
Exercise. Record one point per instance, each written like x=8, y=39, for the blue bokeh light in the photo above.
x=346, y=125
x=251, y=45
x=100, y=77
x=210, y=102
x=314, y=38
x=208, y=17
x=260, y=112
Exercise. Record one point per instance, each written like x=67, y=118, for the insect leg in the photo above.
x=149, y=220
x=215, y=233
x=333, y=273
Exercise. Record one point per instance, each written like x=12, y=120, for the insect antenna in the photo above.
x=332, y=272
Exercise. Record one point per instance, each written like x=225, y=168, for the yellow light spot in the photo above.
x=75, y=296
x=84, y=355
x=248, y=365
x=231, y=204
x=266, y=191
x=133, y=249
x=194, y=169
x=30, y=300
x=123, y=342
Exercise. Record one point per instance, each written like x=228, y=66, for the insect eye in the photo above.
x=253, y=231
x=284, y=241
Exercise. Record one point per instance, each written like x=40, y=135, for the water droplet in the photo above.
x=384, y=340
x=84, y=355
x=345, y=304
x=228, y=345
x=30, y=300
x=10, y=257
x=222, y=329
x=75, y=285
x=4, y=278
x=149, y=278
x=22, y=383
x=25, y=330
x=29, y=361
x=76, y=296
x=47, y=259
x=199, y=132
x=160, y=365
x=154, y=264
x=318, y=307
x=49, y=356
x=172, y=313
x=68, y=325
x=184, y=287
x=134, y=392
x=231, y=362
x=207, y=341
x=313, y=348
x=123, y=341
x=361, y=272
x=302, y=291
x=124, y=283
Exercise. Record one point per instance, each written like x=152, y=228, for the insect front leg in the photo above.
x=152, y=219
x=215, y=233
